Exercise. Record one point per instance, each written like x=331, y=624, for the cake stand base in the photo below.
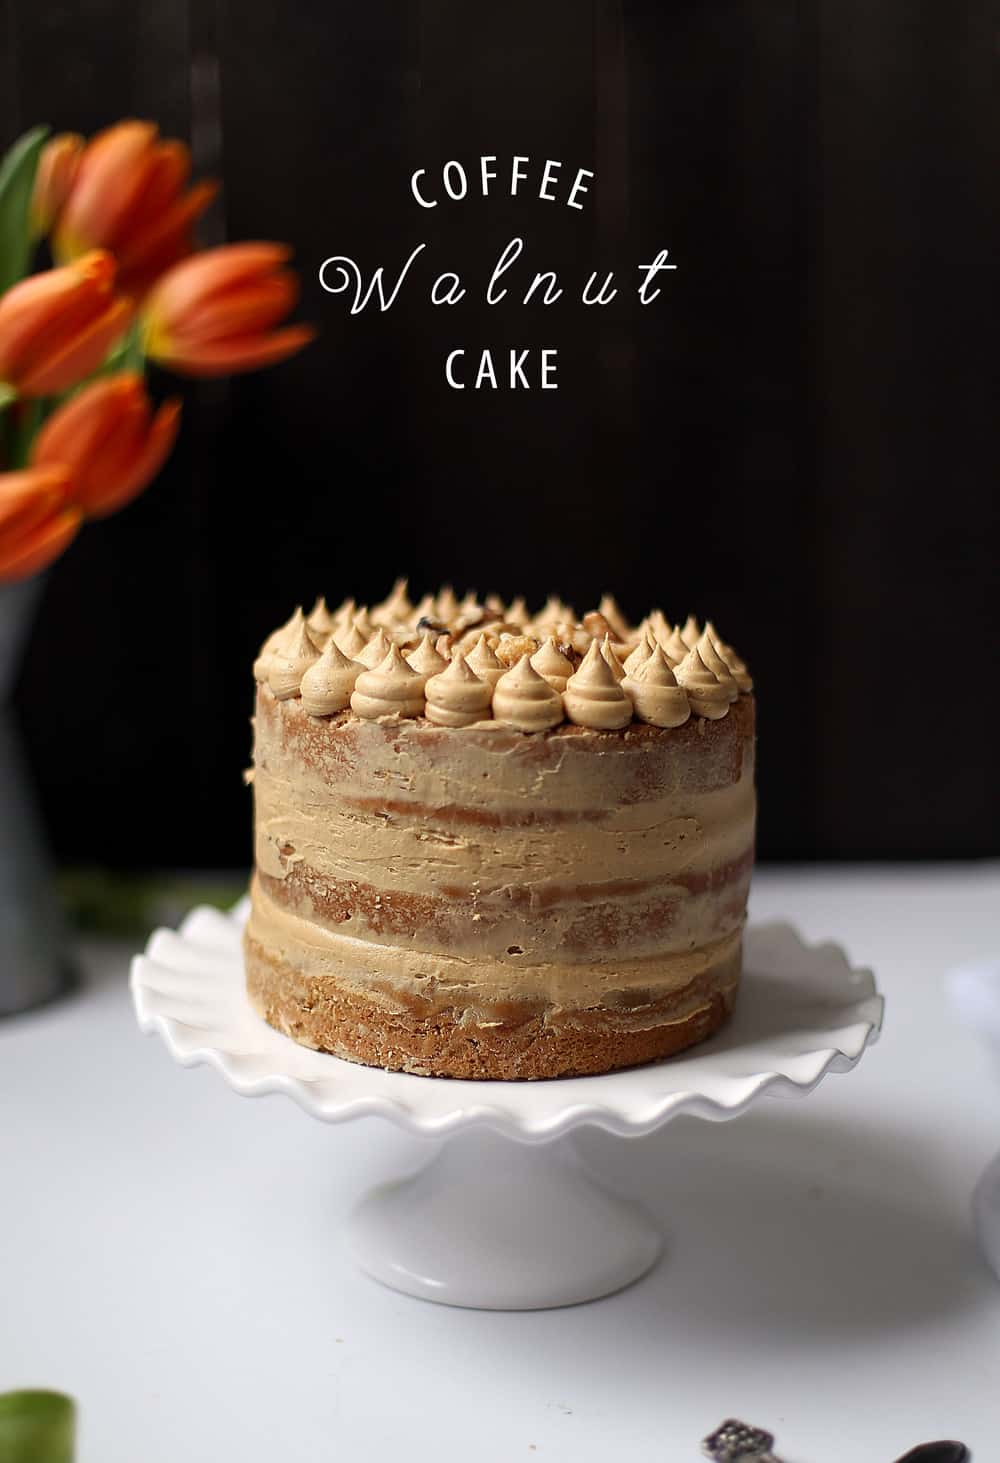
x=494, y=1224
x=506, y=1217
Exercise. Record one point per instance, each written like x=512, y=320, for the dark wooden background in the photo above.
x=799, y=439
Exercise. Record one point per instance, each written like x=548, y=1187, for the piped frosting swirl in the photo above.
x=290, y=662
x=669, y=672
x=554, y=667
x=594, y=697
x=690, y=632
x=396, y=608
x=646, y=645
x=392, y=689
x=375, y=650
x=707, y=695
x=320, y=621
x=737, y=667
x=610, y=655
x=674, y=647
x=522, y=699
x=609, y=608
x=456, y=696
x=485, y=664
x=350, y=639
x=273, y=643
x=425, y=660
x=653, y=690
x=327, y=685
x=710, y=655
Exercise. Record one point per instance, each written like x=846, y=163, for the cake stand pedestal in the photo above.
x=506, y=1216
x=502, y=1225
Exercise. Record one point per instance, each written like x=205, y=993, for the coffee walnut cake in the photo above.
x=491, y=844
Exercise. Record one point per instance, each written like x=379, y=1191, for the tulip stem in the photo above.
x=27, y=420
x=127, y=354
x=7, y=398
x=133, y=358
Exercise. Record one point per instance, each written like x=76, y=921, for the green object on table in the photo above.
x=128, y=905
x=37, y=1427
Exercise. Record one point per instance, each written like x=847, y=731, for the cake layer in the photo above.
x=521, y=853
x=475, y=987
x=523, y=1042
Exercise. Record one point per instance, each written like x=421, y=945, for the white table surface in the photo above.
x=171, y=1254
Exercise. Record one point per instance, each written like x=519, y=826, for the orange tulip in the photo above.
x=214, y=313
x=36, y=520
x=57, y=327
x=109, y=441
x=57, y=168
x=128, y=196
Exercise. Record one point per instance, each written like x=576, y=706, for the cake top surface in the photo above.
x=464, y=662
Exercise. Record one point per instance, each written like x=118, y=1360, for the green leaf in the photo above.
x=8, y=393
x=27, y=422
x=127, y=355
x=37, y=1427
x=17, y=181
x=133, y=358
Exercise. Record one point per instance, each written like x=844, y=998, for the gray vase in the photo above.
x=34, y=966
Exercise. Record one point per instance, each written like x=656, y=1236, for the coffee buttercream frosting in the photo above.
x=609, y=608
x=653, y=690
x=674, y=648
x=393, y=688
x=523, y=700
x=456, y=696
x=350, y=639
x=395, y=608
x=554, y=667
x=343, y=615
x=425, y=660
x=660, y=626
x=446, y=606
x=647, y=643
x=610, y=655
x=493, y=638
x=290, y=662
x=593, y=696
x=327, y=684
x=375, y=650
x=690, y=632
x=321, y=623
x=737, y=667
x=262, y=665
x=707, y=695
x=483, y=661
x=710, y=655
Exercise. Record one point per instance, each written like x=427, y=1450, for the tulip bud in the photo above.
x=214, y=314
x=109, y=441
x=57, y=167
x=128, y=197
x=36, y=521
x=58, y=326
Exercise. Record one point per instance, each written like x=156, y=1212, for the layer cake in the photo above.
x=491, y=844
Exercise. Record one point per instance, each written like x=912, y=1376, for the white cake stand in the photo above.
x=506, y=1216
